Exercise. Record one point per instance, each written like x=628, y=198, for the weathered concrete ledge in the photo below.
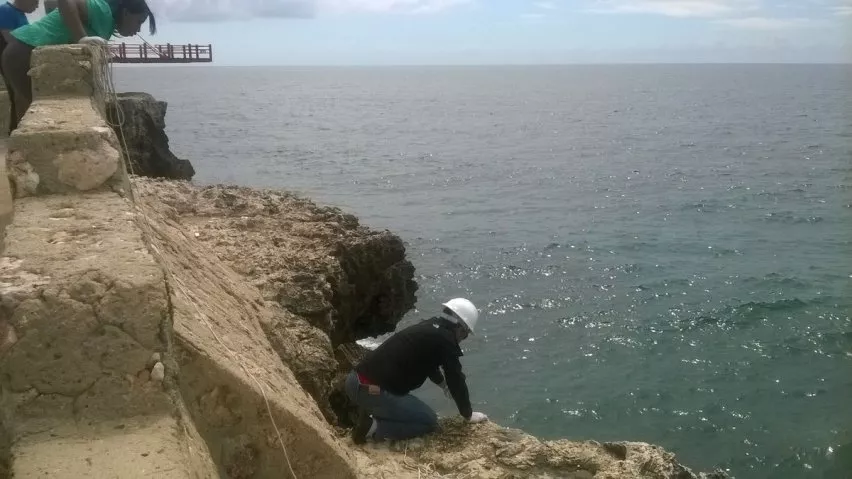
x=63, y=144
x=87, y=306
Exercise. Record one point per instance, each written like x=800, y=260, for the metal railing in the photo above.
x=168, y=53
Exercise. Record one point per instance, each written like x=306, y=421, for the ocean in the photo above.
x=661, y=253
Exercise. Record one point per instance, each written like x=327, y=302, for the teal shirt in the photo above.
x=51, y=30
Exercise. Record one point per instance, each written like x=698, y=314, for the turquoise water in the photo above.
x=661, y=252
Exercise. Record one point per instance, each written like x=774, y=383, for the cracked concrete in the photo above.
x=86, y=331
x=221, y=349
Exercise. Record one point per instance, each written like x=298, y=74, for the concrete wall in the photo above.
x=63, y=144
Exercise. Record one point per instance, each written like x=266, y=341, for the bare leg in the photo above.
x=16, y=67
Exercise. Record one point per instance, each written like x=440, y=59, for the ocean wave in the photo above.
x=776, y=280
x=787, y=217
x=744, y=315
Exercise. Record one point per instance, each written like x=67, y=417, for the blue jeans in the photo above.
x=397, y=417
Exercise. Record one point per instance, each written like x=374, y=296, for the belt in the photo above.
x=364, y=380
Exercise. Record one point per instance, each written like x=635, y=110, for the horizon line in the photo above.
x=471, y=65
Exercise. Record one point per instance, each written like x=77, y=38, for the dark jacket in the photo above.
x=403, y=362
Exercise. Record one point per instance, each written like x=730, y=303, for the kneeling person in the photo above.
x=380, y=384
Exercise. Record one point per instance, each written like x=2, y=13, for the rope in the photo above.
x=104, y=82
x=154, y=49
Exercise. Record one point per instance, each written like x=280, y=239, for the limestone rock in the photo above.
x=63, y=146
x=142, y=120
x=158, y=372
x=331, y=280
x=316, y=262
x=231, y=378
x=85, y=169
x=488, y=451
x=155, y=358
x=307, y=351
x=24, y=178
x=64, y=71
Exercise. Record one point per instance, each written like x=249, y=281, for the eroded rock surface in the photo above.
x=332, y=280
x=142, y=120
x=231, y=376
x=317, y=262
x=487, y=451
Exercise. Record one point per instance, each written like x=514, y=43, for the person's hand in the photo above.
x=446, y=389
x=94, y=41
x=477, y=418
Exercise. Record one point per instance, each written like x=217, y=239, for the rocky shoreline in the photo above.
x=155, y=327
x=270, y=237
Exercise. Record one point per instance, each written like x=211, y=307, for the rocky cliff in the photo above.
x=156, y=328
x=141, y=119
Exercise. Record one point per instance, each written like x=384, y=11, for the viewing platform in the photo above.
x=168, y=53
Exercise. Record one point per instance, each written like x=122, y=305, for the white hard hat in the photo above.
x=465, y=310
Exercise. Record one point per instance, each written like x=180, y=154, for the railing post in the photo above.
x=210, y=51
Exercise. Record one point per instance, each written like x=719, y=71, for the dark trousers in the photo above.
x=13, y=118
x=15, y=59
x=397, y=417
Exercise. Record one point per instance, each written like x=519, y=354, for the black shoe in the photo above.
x=362, y=427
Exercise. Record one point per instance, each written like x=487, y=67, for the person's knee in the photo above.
x=428, y=418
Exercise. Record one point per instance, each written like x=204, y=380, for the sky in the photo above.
x=453, y=32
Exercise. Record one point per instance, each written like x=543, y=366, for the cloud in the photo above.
x=767, y=23
x=389, y=6
x=545, y=5
x=675, y=8
x=843, y=10
x=223, y=10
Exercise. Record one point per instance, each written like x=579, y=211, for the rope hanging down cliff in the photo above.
x=105, y=85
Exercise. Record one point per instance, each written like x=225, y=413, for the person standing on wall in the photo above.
x=13, y=15
x=380, y=384
x=88, y=22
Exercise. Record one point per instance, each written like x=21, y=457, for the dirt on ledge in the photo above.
x=487, y=451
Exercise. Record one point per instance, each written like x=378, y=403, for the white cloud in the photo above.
x=843, y=10
x=389, y=6
x=676, y=8
x=545, y=5
x=222, y=10
x=767, y=23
